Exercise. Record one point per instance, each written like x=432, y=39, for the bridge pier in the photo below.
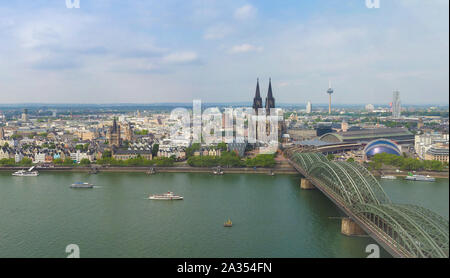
x=306, y=184
x=350, y=228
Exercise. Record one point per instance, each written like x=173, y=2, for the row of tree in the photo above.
x=405, y=163
x=231, y=159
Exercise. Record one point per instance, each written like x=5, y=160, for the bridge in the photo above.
x=406, y=231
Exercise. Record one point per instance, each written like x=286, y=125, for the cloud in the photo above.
x=180, y=57
x=218, y=31
x=245, y=12
x=243, y=48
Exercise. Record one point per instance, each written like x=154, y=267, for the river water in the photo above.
x=272, y=216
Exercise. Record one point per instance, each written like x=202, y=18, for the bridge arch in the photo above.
x=416, y=230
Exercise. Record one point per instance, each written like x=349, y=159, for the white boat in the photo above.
x=81, y=185
x=419, y=178
x=389, y=177
x=27, y=173
x=166, y=196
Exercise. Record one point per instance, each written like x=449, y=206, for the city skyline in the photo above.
x=111, y=52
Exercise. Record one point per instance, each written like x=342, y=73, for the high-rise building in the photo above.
x=2, y=133
x=396, y=105
x=329, y=92
x=309, y=107
x=25, y=115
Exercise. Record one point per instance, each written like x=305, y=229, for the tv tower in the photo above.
x=329, y=92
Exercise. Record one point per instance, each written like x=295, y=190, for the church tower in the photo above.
x=257, y=100
x=114, y=135
x=270, y=101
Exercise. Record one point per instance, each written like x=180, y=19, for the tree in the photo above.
x=155, y=149
x=351, y=159
x=85, y=162
x=26, y=161
x=68, y=161
x=330, y=157
x=58, y=161
x=222, y=146
x=106, y=154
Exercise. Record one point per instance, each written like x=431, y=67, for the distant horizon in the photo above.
x=248, y=103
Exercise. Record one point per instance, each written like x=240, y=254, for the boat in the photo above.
x=218, y=171
x=166, y=196
x=151, y=171
x=388, y=177
x=26, y=173
x=271, y=173
x=228, y=223
x=412, y=177
x=81, y=185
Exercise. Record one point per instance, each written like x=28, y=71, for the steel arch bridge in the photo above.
x=405, y=230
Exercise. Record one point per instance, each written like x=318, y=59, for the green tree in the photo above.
x=26, y=161
x=330, y=157
x=155, y=149
x=68, y=161
x=85, y=162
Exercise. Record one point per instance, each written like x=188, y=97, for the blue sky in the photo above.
x=174, y=51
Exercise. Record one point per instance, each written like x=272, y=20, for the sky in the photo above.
x=145, y=51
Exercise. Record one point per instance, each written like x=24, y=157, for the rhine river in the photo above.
x=272, y=216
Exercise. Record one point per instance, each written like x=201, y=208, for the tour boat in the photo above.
x=28, y=173
x=228, y=223
x=389, y=177
x=218, y=171
x=166, y=196
x=82, y=185
x=419, y=178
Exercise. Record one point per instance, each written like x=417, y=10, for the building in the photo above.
x=438, y=152
x=25, y=115
x=128, y=130
x=423, y=142
x=113, y=135
x=382, y=146
x=308, y=107
x=344, y=126
x=270, y=100
x=369, y=108
x=128, y=154
x=2, y=133
x=396, y=105
x=399, y=135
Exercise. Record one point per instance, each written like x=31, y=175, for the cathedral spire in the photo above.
x=257, y=100
x=270, y=100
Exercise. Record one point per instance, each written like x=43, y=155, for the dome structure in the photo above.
x=382, y=146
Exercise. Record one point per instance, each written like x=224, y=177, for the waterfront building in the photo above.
x=128, y=154
x=438, y=152
x=423, y=142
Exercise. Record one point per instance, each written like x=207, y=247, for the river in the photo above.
x=272, y=216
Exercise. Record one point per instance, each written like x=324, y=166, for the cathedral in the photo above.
x=270, y=103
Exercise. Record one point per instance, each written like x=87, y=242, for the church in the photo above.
x=269, y=103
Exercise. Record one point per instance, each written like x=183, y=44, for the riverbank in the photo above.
x=184, y=169
x=443, y=175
